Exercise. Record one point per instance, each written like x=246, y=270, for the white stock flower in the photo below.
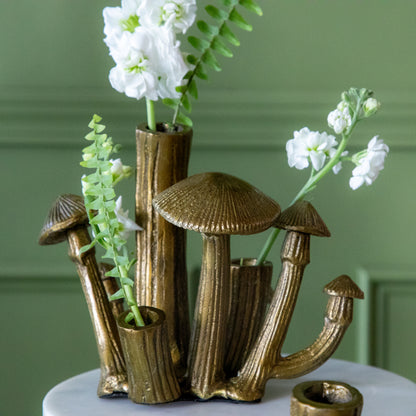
x=309, y=145
x=337, y=168
x=149, y=64
x=370, y=106
x=370, y=165
x=178, y=15
x=126, y=224
x=118, y=20
x=340, y=119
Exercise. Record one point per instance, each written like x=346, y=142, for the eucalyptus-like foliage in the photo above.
x=99, y=198
x=214, y=39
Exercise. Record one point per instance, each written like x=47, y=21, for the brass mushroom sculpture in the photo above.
x=67, y=220
x=217, y=205
x=265, y=361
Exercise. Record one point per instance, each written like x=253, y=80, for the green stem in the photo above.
x=131, y=300
x=313, y=180
x=150, y=111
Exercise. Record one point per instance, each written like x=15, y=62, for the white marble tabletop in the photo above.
x=385, y=394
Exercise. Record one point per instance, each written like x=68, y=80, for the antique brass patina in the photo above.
x=150, y=370
x=325, y=398
x=216, y=205
x=67, y=220
x=161, y=276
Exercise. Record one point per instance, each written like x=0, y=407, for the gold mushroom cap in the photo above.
x=345, y=287
x=302, y=217
x=67, y=212
x=217, y=203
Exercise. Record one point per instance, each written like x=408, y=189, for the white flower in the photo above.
x=309, y=145
x=370, y=165
x=120, y=19
x=370, y=106
x=149, y=64
x=336, y=169
x=178, y=15
x=119, y=171
x=340, y=119
x=126, y=224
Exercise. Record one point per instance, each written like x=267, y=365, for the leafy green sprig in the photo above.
x=210, y=43
x=99, y=198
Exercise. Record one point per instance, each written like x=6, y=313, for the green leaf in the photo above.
x=192, y=88
x=118, y=295
x=209, y=58
x=229, y=36
x=216, y=13
x=239, y=21
x=207, y=29
x=129, y=317
x=252, y=6
x=170, y=102
x=199, y=44
x=87, y=247
x=126, y=281
x=186, y=104
x=114, y=272
x=200, y=73
x=182, y=119
x=219, y=46
x=192, y=59
x=95, y=119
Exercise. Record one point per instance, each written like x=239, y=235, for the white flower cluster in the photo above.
x=310, y=146
x=141, y=36
x=340, y=119
x=369, y=164
x=126, y=225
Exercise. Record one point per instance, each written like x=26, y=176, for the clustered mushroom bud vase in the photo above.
x=161, y=275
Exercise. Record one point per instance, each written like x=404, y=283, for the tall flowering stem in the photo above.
x=359, y=106
x=106, y=217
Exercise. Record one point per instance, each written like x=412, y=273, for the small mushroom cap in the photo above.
x=302, y=217
x=217, y=203
x=345, y=287
x=66, y=212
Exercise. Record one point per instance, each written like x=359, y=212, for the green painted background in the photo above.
x=287, y=74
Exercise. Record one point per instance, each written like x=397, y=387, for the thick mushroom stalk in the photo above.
x=338, y=316
x=301, y=220
x=216, y=205
x=67, y=220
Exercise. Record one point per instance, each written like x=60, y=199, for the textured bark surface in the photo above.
x=209, y=332
x=161, y=276
x=150, y=369
x=249, y=296
x=113, y=369
x=250, y=383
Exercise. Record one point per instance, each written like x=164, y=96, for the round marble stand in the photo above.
x=385, y=394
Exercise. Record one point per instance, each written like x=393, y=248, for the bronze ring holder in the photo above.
x=325, y=398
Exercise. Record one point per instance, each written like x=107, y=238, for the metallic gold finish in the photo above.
x=216, y=205
x=161, y=276
x=250, y=295
x=150, y=370
x=325, y=398
x=264, y=360
x=111, y=286
x=67, y=219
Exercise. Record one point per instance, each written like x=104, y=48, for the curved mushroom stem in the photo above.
x=338, y=317
x=209, y=332
x=113, y=369
x=249, y=384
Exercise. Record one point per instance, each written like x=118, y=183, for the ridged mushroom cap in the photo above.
x=302, y=217
x=66, y=212
x=345, y=287
x=217, y=203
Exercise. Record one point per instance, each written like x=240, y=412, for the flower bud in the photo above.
x=370, y=106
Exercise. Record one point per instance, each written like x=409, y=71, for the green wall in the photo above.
x=287, y=74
